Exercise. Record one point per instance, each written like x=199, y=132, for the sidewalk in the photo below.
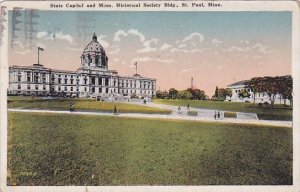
x=173, y=116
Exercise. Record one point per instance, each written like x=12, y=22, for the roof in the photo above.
x=238, y=83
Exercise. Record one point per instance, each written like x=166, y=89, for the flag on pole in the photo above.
x=40, y=49
x=135, y=67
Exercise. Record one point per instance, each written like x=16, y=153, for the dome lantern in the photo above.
x=94, y=38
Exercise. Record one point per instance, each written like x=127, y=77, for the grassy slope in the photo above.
x=48, y=149
x=80, y=104
x=278, y=113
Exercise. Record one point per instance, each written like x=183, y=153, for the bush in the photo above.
x=217, y=98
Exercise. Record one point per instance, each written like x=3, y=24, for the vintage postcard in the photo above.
x=149, y=96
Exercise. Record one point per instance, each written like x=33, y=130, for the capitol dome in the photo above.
x=94, y=55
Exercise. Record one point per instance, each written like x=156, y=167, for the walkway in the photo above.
x=174, y=116
x=206, y=113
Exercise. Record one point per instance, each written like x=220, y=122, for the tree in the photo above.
x=256, y=85
x=216, y=92
x=244, y=94
x=227, y=92
x=286, y=88
x=158, y=94
x=184, y=94
x=199, y=94
x=173, y=93
x=272, y=86
x=196, y=93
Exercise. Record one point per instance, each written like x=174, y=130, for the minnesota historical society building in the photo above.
x=92, y=79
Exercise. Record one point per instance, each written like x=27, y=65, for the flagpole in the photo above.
x=135, y=68
x=38, y=55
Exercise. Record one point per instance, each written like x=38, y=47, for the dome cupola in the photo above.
x=94, y=55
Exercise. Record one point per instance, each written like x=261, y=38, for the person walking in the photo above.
x=115, y=110
x=72, y=106
x=218, y=114
x=188, y=106
x=215, y=116
x=179, y=109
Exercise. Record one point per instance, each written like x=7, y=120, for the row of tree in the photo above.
x=192, y=94
x=272, y=86
x=221, y=94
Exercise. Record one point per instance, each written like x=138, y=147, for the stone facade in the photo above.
x=92, y=79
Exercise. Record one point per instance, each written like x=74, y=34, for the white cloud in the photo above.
x=165, y=47
x=147, y=46
x=114, y=50
x=182, y=45
x=261, y=48
x=193, y=36
x=245, y=41
x=189, y=44
x=173, y=50
x=55, y=36
x=104, y=43
x=216, y=42
x=42, y=34
x=258, y=47
x=120, y=33
x=155, y=59
x=185, y=70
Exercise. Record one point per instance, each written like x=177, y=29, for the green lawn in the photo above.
x=278, y=113
x=230, y=114
x=50, y=149
x=80, y=104
x=192, y=113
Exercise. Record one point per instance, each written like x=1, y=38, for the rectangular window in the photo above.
x=36, y=87
x=72, y=81
x=71, y=88
x=59, y=81
x=66, y=88
x=28, y=86
x=66, y=81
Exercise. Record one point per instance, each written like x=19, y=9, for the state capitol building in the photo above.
x=92, y=79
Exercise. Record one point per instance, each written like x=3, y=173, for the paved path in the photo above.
x=174, y=116
x=209, y=113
